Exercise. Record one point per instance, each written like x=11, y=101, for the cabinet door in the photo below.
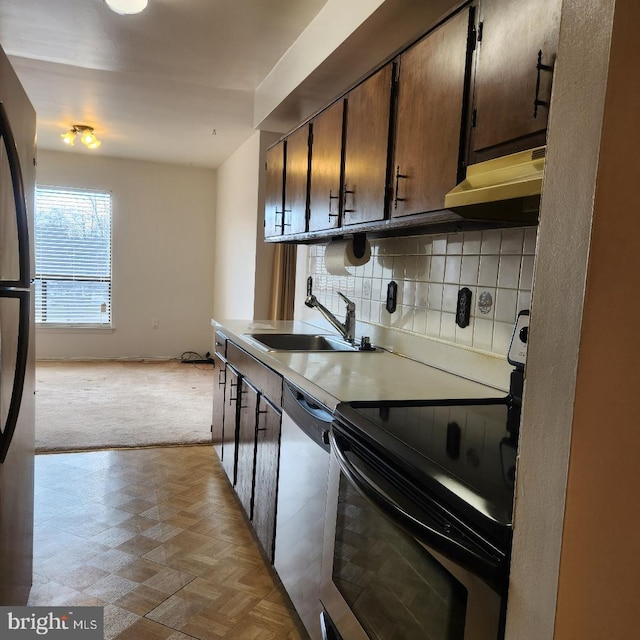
x=266, y=477
x=274, y=201
x=219, y=388
x=248, y=399
x=326, y=165
x=431, y=89
x=296, y=181
x=366, y=146
x=508, y=80
x=230, y=424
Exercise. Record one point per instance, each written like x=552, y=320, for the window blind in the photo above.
x=73, y=256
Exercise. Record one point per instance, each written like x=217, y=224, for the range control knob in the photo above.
x=524, y=334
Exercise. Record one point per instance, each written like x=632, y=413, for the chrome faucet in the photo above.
x=348, y=329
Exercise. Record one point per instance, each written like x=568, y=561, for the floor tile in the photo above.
x=141, y=600
x=157, y=538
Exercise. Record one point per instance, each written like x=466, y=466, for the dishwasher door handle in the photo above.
x=310, y=407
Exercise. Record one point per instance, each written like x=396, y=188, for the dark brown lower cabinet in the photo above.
x=251, y=437
x=246, y=452
x=219, y=388
x=232, y=380
x=266, y=474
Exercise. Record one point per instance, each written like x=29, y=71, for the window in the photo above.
x=73, y=257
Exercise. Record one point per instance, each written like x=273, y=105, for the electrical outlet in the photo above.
x=154, y=323
x=392, y=296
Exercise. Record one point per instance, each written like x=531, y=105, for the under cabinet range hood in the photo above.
x=503, y=189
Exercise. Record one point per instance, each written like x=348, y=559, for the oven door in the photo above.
x=380, y=583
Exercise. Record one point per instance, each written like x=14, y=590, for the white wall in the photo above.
x=163, y=239
x=243, y=262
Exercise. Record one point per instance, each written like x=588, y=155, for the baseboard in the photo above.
x=111, y=359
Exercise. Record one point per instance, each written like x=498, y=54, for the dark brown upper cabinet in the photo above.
x=274, y=199
x=296, y=181
x=326, y=168
x=366, y=149
x=515, y=56
x=430, y=102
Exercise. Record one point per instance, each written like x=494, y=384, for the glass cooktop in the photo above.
x=464, y=453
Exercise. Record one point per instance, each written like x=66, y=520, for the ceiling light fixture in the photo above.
x=127, y=7
x=87, y=136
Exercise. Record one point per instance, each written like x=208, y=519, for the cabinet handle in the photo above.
x=537, y=102
x=222, y=378
x=260, y=412
x=331, y=198
x=276, y=223
x=399, y=176
x=284, y=223
x=231, y=398
x=241, y=391
x=344, y=205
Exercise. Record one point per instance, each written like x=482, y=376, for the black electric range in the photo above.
x=455, y=457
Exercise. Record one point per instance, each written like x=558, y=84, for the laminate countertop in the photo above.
x=333, y=376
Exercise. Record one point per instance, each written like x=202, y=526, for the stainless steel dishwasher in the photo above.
x=302, y=498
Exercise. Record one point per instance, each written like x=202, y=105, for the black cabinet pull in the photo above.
x=278, y=225
x=540, y=67
x=260, y=412
x=332, y=197
x=399, y=176
x=231, y=398
x=344, y=201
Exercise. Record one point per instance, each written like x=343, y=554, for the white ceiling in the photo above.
x=155, y=85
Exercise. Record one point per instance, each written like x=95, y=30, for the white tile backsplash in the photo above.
x=472, y=242
x=436, y=273
x=512, y=241
x=530, y=239
x=429, y=272
x=491, y=241
x=452, y=268
x=509, y=272
x=526, y=273
x=488, y=274
x=469, y=272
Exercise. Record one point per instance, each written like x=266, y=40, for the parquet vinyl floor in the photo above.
x=157, y=538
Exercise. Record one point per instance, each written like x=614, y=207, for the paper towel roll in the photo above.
x=340, y=254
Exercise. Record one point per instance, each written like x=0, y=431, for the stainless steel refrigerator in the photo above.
x=17, y=406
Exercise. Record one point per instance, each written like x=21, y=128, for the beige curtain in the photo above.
x=283, y=282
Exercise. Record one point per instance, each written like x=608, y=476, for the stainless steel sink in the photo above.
x=300, y=342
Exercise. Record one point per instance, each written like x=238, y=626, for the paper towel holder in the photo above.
x=359, y=244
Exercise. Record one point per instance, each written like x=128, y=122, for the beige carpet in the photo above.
x=107, y=404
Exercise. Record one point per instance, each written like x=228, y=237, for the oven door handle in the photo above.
x=483, y=560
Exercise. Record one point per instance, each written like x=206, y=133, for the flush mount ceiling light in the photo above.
x=86, y=134
x=127, y=7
